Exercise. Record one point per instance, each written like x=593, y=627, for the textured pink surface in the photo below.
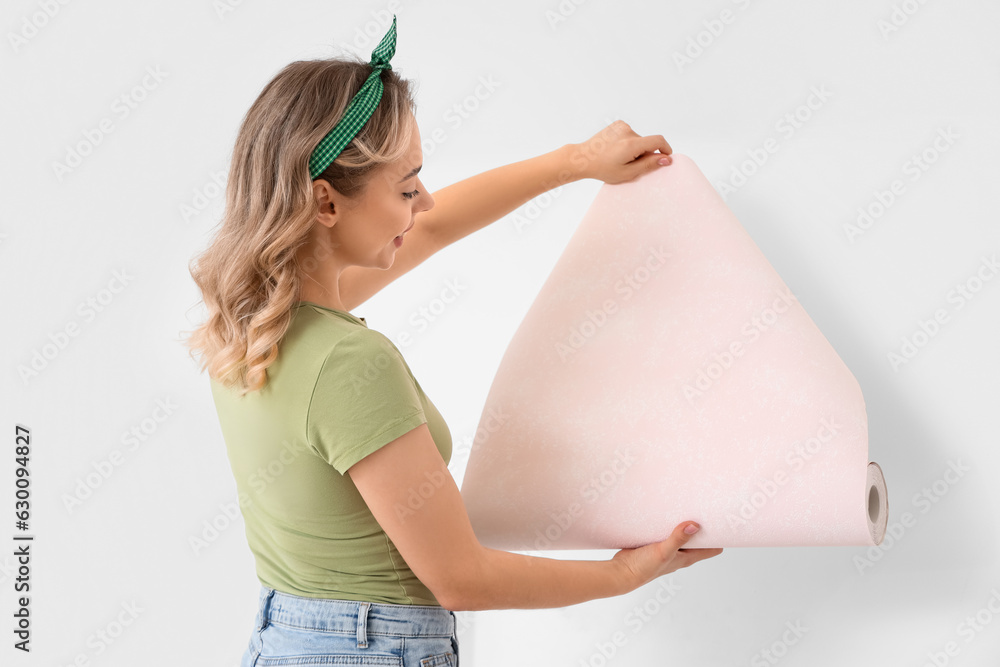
x=666, y=373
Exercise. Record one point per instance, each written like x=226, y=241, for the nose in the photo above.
x=426, y=199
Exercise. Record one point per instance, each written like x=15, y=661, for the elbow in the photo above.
x=464, y=588
x=457, y=597
x=452, y=603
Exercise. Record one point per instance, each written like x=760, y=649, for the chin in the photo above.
x=387, y=263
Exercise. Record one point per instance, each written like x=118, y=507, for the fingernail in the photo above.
x=691, y=529
x=664, y=161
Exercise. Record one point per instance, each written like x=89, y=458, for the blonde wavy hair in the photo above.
x=249, y=276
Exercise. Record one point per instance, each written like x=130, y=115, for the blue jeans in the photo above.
x=295, y=630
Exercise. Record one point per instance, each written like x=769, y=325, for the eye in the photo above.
x=411, y=195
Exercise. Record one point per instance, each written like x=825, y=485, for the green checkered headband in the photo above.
x=359, y=110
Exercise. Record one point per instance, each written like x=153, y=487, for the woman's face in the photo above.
x=367, y=231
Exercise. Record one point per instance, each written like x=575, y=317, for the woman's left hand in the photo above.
x=617, y=154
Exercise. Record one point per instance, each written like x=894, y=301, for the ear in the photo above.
x=324, y=194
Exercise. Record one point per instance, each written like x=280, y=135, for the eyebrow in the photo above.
x=413, y=173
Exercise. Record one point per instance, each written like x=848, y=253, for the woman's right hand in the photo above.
x=646, y=563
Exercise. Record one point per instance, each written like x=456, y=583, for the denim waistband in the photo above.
x=353, y=617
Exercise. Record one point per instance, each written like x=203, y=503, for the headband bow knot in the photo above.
x=359, y=110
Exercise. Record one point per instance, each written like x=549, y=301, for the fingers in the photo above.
x=644, y=155
x=680, y=536
x=701, y=554
x=654, y=142
x=640, y=144
x=688, y=557
x=626, y=155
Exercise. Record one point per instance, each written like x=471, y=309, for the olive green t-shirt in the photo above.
x=336, y=392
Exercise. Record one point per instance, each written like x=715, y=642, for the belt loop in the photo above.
x=265, y=608
x=363, y=623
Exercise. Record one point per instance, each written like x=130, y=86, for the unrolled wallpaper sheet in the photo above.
x=666, y=373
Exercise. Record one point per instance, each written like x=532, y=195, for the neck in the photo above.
x=321, y=283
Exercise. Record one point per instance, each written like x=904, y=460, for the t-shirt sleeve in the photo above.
x=364, y=398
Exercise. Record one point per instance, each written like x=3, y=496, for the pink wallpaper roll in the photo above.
x=666, y=373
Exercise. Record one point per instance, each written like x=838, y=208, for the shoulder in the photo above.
x=364, y=377
x=316, y=336
x=368, y=355
x=364, y=343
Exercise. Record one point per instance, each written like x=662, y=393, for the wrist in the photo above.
x=571, y=164
x=627, y=580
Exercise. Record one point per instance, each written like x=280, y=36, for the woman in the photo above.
x=326, y=428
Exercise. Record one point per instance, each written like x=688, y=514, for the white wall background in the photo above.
x=565, y=70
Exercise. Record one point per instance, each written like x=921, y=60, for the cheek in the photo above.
x=400, y=214
x=388, y=222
